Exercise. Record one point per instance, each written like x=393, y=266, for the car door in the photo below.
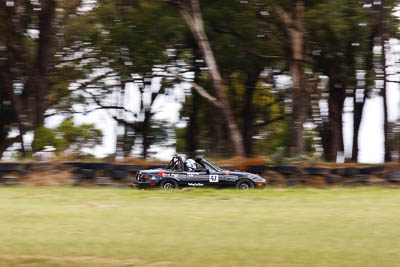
x=209, y=178
x=197, y=179
x=214, y=179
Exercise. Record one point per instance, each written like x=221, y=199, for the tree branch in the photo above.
x=264, y=56
x=84, y=85
x=137, y=126
x=264, y=123
x=284, y=16
x=199, y=89
x=101, y=106
x=249, y=50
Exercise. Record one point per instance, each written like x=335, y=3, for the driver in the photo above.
x=190, y=165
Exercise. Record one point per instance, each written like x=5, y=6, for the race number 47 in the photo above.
x=213, y=179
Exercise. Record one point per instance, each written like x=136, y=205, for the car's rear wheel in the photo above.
x=169, y=185
x=244, y=185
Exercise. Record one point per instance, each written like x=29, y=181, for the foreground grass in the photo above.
x=274, y=227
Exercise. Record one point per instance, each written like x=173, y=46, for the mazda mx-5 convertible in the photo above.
x=176, y=175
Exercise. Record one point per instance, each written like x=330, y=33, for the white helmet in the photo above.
x=190, y=164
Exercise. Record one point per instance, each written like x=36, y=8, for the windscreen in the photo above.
x=207, y=165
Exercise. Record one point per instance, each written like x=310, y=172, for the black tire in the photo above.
x=244, y=185
x=169, y=185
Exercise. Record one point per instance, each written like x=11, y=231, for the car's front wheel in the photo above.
x=244, y=185
x=169, y=185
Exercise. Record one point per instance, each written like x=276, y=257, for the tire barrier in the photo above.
x=10, y=173
x=392, y=177
x=285, y=170
x=104, y=174
x=122, y=175
x=372, y=169
x=74, y=173
x=346, y=172
x=333, y=179
x=257, y=169
x=377, y=175
x=315, y=171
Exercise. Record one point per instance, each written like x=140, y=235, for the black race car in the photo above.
x=175, y=175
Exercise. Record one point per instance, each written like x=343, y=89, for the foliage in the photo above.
x=78, y=137
x=46, y=137
x=68, y=137
x=94, y=54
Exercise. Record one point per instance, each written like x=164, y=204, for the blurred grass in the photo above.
x=55, y=226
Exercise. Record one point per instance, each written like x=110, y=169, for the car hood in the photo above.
x=242, y=174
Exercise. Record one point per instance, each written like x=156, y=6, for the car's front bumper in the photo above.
x=260, y=184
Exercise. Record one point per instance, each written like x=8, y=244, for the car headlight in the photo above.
x=259, y=179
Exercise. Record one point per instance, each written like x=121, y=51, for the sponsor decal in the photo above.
x=213, y=179
x=175, y=175
x=195, y=184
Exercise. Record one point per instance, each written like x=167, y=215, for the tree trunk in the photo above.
x=3, y=137
x=192, y=128
x=294, y=24
x=194, y=20
x=120, y=139
x=334, y=134
x=386, y=127
x=16, y=104
x=248, y=120
x=382, y=37
x=45, y=41
x=16, y=57
x=360, y=103
x=145, y=133
x=248, y=127
x=192, y=133
x=299, y=116
x=357, y=116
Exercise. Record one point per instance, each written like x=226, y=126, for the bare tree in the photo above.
x=383, y=38
x=294, y=26
x=193, y=18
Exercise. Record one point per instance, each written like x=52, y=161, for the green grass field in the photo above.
x=55, y=226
